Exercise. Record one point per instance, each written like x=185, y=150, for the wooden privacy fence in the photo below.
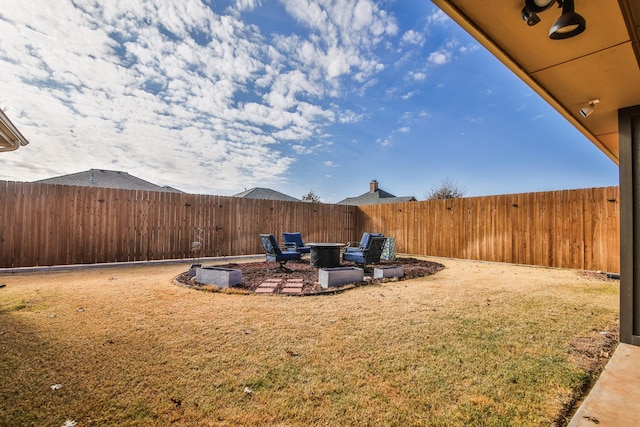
x=570, y=228
x=44, y=224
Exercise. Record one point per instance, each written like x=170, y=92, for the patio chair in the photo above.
x=274, y=254
x=363, y=244
x=366, y=255
x=293, y=242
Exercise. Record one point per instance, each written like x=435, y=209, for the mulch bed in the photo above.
x=255, y=273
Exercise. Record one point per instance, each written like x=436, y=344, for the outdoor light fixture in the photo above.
x=569, y=24
x=532, y=8
x=586, y=111
x=529, y=17
x=537, y=6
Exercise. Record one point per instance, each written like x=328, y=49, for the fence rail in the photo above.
x=43, y=224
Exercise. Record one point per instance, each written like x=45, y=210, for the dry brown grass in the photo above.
x=475, y=344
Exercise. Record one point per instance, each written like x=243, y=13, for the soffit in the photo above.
x=600, y=63
x=10, y=137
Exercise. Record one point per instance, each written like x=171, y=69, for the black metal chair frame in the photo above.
x=369, y=255
x=274, y=253
x=293, y=241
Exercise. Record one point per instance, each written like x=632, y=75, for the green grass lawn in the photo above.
x=476, y=344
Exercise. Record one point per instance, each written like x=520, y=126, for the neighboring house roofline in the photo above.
x=265, y=194
x=375, y=196
x=104, y=178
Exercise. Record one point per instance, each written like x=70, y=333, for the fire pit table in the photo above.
x=325, y=255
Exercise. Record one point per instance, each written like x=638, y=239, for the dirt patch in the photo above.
x=599, y=275
x=591, y=353
x=255, y=273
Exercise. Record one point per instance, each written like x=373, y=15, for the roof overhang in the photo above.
x=10, y=137
x=601, y=63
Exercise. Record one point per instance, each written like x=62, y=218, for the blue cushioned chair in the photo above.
x=293, y=242
x=274, y=254
x=363, y=244
x=369, y=254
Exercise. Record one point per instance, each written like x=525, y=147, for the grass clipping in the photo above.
x=475, y=344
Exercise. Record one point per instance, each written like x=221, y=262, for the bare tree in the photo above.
x=311, y=197
x=447, y=189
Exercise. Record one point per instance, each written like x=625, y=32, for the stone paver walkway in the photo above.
x=288, y=286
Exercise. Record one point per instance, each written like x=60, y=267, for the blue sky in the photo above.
x=216, y=97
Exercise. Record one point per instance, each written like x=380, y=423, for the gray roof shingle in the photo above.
x=102, y=178
x=375, y=197
x=265, y=194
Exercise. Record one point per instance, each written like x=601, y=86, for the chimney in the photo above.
x=373, y=186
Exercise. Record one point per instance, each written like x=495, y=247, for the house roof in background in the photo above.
x=10, y=137
x=265, y=194
x=375, y=196
x=102, y=178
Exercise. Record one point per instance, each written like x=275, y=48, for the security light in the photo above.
x=537, y=6
x=586, y=111
x=529, y=17
x=569, y=24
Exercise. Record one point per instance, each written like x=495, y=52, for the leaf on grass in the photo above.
x=248, y=390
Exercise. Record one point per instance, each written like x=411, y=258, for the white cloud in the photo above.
x=413, y=37
x=409, y=95
x=439, y=57
x=404, y=129
x=301, y=149
x=386, y=141
x=417, y=76
x=349, y=116
x=245, y=5
x=471, y=47
x=342, y=36
x=475, y=119
x=438, y=17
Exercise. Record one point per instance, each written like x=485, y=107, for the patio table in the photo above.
x=325, y=255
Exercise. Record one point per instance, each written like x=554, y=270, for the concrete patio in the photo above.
x=615, y=398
